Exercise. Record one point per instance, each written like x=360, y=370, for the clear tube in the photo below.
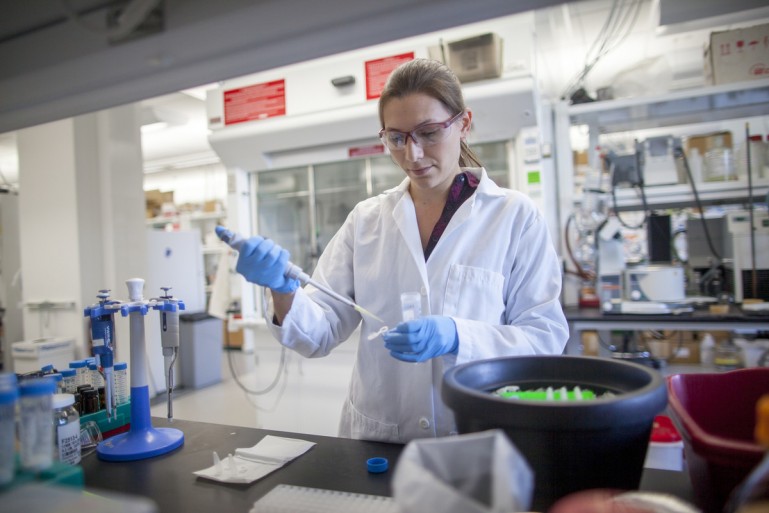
x=121, y=383
x=96, y=379
x=36, y=425
x=411, y=306
x=9, y=393
x=69, y=379
x=81, y=370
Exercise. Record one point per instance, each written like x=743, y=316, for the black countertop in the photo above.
x=333, y=464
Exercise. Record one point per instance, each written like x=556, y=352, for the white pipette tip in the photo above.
x=230, y=464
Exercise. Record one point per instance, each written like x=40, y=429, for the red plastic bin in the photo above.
x=716, y=416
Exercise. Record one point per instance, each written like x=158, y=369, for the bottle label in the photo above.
x=68, y=438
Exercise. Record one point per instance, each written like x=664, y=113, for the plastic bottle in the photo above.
x=35, y=426
x=67, y=423
x=69, y=378
x=719, y=162
x=81, y=369
x=707, y=349
x=121, y=383
x=9, y=393
x=96, y=379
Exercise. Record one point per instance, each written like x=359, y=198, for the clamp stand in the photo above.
x=142, y=440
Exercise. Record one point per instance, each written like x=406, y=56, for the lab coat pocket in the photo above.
x=359, y=426
x=474, y=293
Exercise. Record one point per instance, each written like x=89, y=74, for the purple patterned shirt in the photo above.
x=463, y=187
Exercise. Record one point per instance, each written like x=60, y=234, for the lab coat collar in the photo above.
x=404, y=211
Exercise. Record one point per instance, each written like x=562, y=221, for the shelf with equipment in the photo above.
x=681, y=113
x=586, y=134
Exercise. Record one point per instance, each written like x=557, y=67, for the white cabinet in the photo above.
x=204, y=223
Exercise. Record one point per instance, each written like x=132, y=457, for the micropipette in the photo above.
x=102, y=339
x=293, y=271
x=169, y=307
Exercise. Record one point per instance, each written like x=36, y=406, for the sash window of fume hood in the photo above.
x=301, y=208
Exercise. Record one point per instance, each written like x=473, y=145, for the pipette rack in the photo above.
x=142, y=440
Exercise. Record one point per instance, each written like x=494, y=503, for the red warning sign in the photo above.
x=362, y=151
x=258, y=101
x=378, y=70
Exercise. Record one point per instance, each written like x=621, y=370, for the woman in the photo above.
x=479, y=255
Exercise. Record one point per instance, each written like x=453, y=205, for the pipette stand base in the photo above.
x=142, y=441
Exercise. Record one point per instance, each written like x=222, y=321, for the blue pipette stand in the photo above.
x=142, y=440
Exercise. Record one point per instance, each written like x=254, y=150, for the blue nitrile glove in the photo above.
x=263, y=262
x=422, y=339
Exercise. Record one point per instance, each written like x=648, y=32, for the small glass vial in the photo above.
x=727, y=356
x=69, y=378
x=67, y=423
x=81, y=370
x=97, y=380
x=35, y=426
x=9, y=394
x=90, y=401
x=121, y=383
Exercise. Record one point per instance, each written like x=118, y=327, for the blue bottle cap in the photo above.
x=377, y=465
x=77, y=364
x=47, y=368
x=121, y=366
x=57, y=376
x=38, y=386
x=9, y=395
x=68, y=373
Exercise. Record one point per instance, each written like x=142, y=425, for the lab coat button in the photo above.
x=424, y=423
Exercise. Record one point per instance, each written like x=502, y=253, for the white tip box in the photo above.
x=31, y=355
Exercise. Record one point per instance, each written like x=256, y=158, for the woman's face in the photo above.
x=428, y=166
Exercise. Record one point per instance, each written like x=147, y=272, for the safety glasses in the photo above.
x=425, y=135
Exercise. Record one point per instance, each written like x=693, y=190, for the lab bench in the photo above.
x=332, y=464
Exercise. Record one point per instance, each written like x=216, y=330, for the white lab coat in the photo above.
x=494, y=271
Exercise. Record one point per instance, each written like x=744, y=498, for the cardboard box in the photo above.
x=674, y=346
x=738, y=55
x=211, y=206
x=154, y=201
x=232, y=339
x=706, y=142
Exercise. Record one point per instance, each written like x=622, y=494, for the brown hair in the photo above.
x=434, y=79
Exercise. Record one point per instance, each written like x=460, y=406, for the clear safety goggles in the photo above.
x=425, y=135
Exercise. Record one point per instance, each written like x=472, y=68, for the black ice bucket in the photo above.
x=570, y=445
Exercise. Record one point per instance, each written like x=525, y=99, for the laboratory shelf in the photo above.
x=681, y=195
x=685, y=107
x=191, y=216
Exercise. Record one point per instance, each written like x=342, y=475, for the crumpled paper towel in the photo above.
x=473, y=473
x=252, y=463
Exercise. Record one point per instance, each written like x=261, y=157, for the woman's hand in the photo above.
x=422, y=339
